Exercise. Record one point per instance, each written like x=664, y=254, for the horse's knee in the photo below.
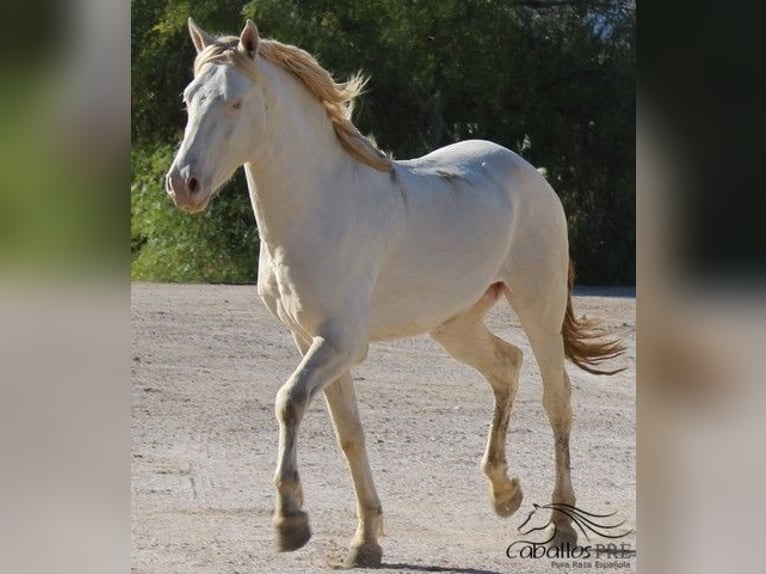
x=352, y=444
x=290, y=404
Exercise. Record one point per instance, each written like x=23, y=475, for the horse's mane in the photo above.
x=337, y=98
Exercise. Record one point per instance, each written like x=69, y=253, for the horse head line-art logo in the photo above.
x=583, y=519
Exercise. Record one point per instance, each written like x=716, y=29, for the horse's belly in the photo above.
x=418, y=313
x=417, y=302
x=399, y=325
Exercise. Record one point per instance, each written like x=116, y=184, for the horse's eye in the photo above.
x=236, y=105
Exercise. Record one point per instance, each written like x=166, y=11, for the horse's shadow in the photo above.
x=425, y=568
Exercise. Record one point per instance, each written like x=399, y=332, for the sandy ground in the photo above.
x=206, y=363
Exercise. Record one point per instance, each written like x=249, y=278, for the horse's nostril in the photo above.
x=193, y=185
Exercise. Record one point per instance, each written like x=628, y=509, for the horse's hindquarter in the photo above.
x=459, y=210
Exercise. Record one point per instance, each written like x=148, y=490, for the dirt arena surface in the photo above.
x=206, y=363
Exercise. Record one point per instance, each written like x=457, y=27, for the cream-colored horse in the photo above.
x=356, y=247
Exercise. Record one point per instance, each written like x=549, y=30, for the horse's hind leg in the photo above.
x=467, y=339
x=341, y=402
x=541, y=315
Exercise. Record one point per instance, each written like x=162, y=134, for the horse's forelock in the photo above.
x=225, y=48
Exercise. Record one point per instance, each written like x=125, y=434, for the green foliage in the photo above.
x=217, y=245
x=553, y=80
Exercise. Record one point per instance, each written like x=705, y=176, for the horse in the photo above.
x=357, y=247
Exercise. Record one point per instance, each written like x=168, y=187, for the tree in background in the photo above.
x=553, y=80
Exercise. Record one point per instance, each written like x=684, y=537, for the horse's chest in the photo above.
x=272, y=296
x=286, y=301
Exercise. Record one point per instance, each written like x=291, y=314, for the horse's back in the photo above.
x=480, y=176
x=467, y=160
x=480, y=168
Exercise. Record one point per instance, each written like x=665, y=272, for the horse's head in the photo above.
x=535, y=520
x=226, y=107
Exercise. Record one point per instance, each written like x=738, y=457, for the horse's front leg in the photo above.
x=326, y=358
x=341, y=401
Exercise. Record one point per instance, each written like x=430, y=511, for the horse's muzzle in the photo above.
x=185, y=189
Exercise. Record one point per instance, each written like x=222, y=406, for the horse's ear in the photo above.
x=200, y=38
x=248, y=40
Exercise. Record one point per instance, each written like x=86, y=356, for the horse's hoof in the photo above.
x=364, y=556
x=508, y=499
x=292, y=530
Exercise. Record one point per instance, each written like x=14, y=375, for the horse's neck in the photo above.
x=297, y=157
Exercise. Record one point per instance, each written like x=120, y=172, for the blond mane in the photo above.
x=337, y=98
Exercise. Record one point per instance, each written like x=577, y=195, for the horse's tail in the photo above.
x=583, y=339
